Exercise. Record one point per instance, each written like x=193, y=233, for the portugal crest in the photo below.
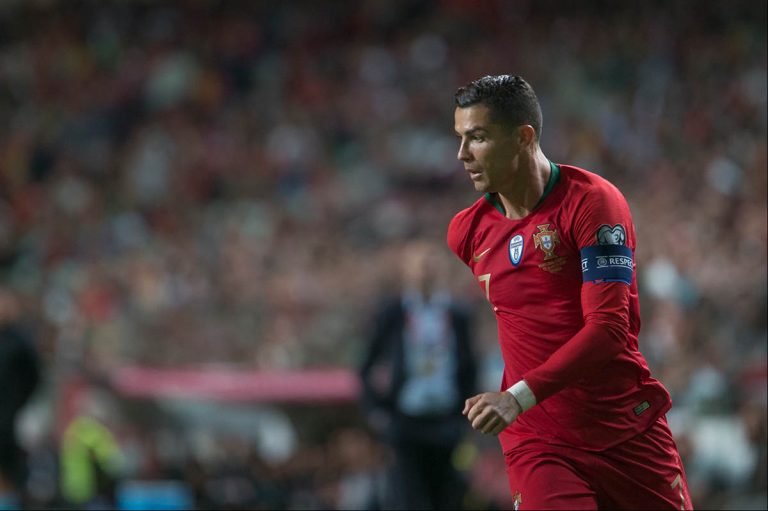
x=546, y=240
x=517, y=499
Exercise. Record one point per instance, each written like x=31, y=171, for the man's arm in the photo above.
x=602, y=227
x=381, y=333
x=602, y=338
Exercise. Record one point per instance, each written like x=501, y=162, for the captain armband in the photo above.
x=607, y=263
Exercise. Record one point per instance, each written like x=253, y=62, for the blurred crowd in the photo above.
x=230, y=183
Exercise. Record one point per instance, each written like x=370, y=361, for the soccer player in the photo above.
x=580, y=419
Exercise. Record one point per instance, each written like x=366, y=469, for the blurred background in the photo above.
x=202, y=202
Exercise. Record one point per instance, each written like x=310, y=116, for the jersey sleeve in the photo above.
x=605, y=236
x=458, y=236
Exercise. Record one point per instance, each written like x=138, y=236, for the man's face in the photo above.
x=420, y=265
x=489, y=151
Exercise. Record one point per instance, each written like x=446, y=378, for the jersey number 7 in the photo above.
x=485, y=278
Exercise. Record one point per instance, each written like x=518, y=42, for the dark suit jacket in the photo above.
x=19, y=376
x=386, y=346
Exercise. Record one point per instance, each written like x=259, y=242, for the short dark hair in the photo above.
x=511, y=100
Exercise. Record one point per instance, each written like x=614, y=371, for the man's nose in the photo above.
x=463, y=153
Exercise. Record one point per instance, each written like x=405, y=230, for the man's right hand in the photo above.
x=491, y=412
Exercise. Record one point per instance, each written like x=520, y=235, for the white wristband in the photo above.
x=523, y=394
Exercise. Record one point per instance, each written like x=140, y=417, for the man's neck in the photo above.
x=528, y=189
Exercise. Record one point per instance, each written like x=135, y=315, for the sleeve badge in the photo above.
x=607, y=235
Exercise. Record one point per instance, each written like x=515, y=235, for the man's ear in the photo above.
x=526, y=135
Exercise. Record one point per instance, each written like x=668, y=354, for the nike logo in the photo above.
x=477, y=257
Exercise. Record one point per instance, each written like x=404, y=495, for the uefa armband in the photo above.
x=607, y=263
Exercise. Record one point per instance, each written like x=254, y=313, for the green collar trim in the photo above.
x=492, y=199
x=554, y=177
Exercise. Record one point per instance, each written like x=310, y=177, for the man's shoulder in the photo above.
x=462, y=220
x=467, y=215
x=586, y=180
x=586, y=187
x=462, y=223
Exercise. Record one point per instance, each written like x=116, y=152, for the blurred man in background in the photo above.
x=421, y=337
x=19, y=376
x=581, y=421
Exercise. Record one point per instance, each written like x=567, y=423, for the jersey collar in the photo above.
x=554, y=177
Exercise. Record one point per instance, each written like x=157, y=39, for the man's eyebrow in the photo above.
x=473, y=131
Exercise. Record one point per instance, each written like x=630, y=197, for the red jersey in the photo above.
x=562, y=284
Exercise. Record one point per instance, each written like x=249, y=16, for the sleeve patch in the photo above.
x=607, y=263
x=607, y=235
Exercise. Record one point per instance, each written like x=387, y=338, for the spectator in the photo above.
x=19, y=377
x=421, y=337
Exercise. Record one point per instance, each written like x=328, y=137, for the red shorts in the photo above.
x=642, y=473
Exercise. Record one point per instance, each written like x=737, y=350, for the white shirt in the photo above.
x=430, y=355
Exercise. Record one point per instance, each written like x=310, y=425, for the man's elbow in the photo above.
x=615, y=330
